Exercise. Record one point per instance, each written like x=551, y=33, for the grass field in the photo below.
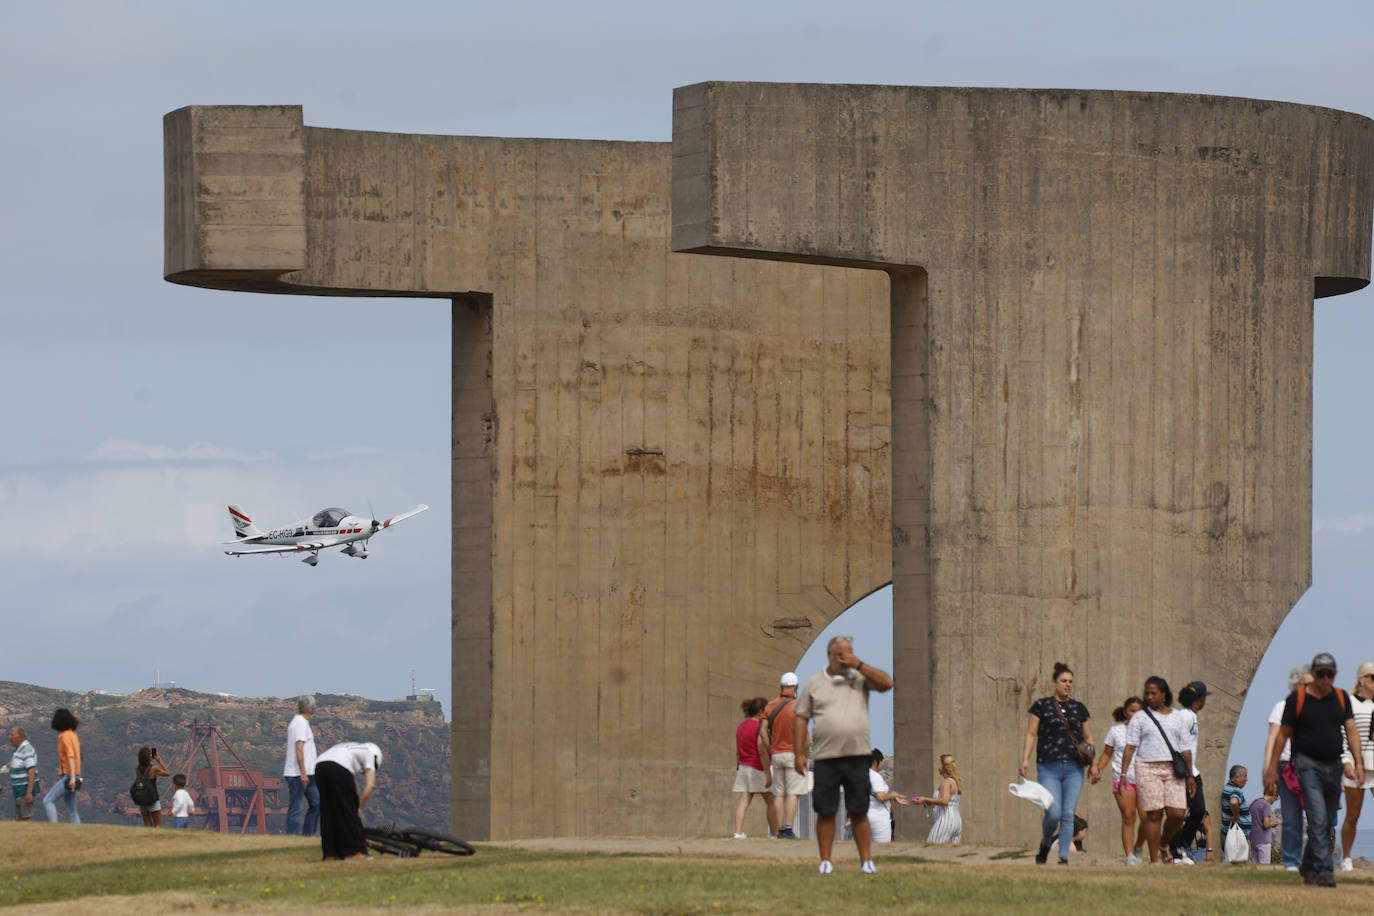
x=115, y=870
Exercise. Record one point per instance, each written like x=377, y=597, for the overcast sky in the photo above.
x=134, y=410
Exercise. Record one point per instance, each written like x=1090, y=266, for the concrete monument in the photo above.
x=1047, y=370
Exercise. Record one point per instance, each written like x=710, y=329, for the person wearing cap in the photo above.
x=1313, y=719
x=341, y=807
x=1362, y=705
x=788, y=785
x=1192, y=698
x=836, y=698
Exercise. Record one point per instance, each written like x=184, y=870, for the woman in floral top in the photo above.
x=1055, y=724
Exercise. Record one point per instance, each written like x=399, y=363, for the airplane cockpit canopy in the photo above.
x=329, y=518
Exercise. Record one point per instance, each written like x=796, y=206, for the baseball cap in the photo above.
x=1323, y=660
x=789, y=679
x=1194, y=689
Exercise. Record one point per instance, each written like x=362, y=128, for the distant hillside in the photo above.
x=413, y=787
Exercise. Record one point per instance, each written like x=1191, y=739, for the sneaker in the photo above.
x=1347, y=864
x=826, y=868
x=1132, y=859
x=1184, y=859
x=1324, y=881
x=741, y=836
x=785, y=833
x=868, y=868
x=1043, y=855
x=1290, y=868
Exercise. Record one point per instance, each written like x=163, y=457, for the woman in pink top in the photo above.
x=752, y=777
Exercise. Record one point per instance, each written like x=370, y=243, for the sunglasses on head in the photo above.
x=1325, y=672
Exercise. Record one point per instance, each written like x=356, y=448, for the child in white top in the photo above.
x=182, y=805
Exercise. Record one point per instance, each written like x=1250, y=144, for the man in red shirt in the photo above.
x=788, y=784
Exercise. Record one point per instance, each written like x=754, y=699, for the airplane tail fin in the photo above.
x=243, y=525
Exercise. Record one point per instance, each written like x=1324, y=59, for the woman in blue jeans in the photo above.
x=1056, y=723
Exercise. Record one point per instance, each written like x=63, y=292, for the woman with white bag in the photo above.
x=1059, y=733
x=1362, y=705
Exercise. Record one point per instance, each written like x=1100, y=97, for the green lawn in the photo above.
x=656, y=885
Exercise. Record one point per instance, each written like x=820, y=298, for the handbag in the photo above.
x=1181, y=768
x=1085, y=751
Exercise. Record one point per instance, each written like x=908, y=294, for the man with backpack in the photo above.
x=788, y=784
x=1314, y=718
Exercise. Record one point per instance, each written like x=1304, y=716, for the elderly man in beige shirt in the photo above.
x=837, y=699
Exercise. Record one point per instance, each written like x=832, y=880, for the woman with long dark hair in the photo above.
x=68, y=767
x=1056, y=724
x=1152, y=737
x=150, y=766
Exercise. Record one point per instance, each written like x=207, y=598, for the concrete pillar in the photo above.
x=1101, y=385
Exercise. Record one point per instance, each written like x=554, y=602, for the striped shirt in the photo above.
x=25, y=758
x=1233, y=791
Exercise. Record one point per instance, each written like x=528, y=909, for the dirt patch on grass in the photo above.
x=38, y=844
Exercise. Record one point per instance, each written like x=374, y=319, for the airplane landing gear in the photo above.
x=313, y=559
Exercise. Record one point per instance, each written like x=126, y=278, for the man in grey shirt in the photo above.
x=837, y=699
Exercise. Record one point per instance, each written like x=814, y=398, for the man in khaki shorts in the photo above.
x=788, y=784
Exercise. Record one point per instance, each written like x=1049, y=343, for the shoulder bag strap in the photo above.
x=776, y=712
x=1162, y=733
x=1062, y=718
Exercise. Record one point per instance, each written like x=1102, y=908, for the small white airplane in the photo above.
x=327, y=528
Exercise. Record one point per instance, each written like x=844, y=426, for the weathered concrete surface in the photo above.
x=1101, y=372
x=669, y=472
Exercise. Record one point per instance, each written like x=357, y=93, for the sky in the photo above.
x=134, y=410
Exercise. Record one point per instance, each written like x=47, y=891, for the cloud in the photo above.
x=134, y=496
x=122, y=451
x=1357, y=523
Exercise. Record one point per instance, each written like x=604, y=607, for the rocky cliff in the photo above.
x=413, y=786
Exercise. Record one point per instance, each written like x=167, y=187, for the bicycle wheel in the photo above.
x=437, y=842
x=391, y=845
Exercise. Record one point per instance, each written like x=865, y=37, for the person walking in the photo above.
x=949, y=825
x=1191, y=700
x=1277, y=756
x=1153, y=736
x=880, y=796
x=836, y=698
x=1313, y=719
x=1362, y=706
x=23, y=770
x=1056, y=726
x=150, y=767
x=751, y=776
x=299, y=771
x=788, y=785
x=1235, y=813
x=68, y=767
x=1123, y=785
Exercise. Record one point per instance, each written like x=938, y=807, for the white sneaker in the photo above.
x=741, y=836
x=1290, y=868
x=1184, y=859
x=826, y=868
x=868, y=868
x=1132, y=859
x=1347, y=864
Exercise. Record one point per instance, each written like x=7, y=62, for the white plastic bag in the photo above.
x=1032, y=792
x=1236, y=849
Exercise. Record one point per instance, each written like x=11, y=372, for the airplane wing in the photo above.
x=404, y=515
x=245, y=540
x=318, y=545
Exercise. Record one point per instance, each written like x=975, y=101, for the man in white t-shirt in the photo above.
x=299, y=771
